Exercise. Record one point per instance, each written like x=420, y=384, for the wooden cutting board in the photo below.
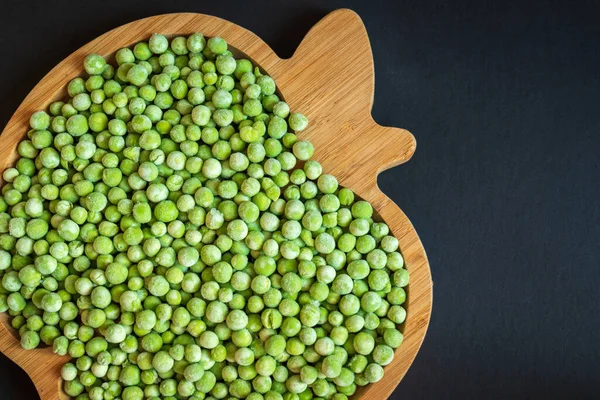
x=330, y=79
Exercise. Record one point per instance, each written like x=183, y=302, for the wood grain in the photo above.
x=330, y=78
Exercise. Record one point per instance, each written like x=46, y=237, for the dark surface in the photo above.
x=503, y=189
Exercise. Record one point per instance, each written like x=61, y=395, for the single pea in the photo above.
x=298, y=122
x=39, y=120
x=158, y=44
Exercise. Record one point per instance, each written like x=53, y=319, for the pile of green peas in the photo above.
x=167, y=230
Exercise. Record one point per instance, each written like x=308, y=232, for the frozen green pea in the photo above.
x=94, y=64
x=389, y=244
x=158, y=44
x=303, y=150
x=30, y=340
x=298, y=122
x=373, y=373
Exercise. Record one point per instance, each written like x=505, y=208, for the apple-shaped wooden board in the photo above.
x=330, y=79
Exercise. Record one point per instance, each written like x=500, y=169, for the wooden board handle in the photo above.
x=331, y=77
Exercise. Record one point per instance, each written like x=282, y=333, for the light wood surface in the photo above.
x=330, y=79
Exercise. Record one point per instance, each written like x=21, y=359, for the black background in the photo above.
x=503, y=189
